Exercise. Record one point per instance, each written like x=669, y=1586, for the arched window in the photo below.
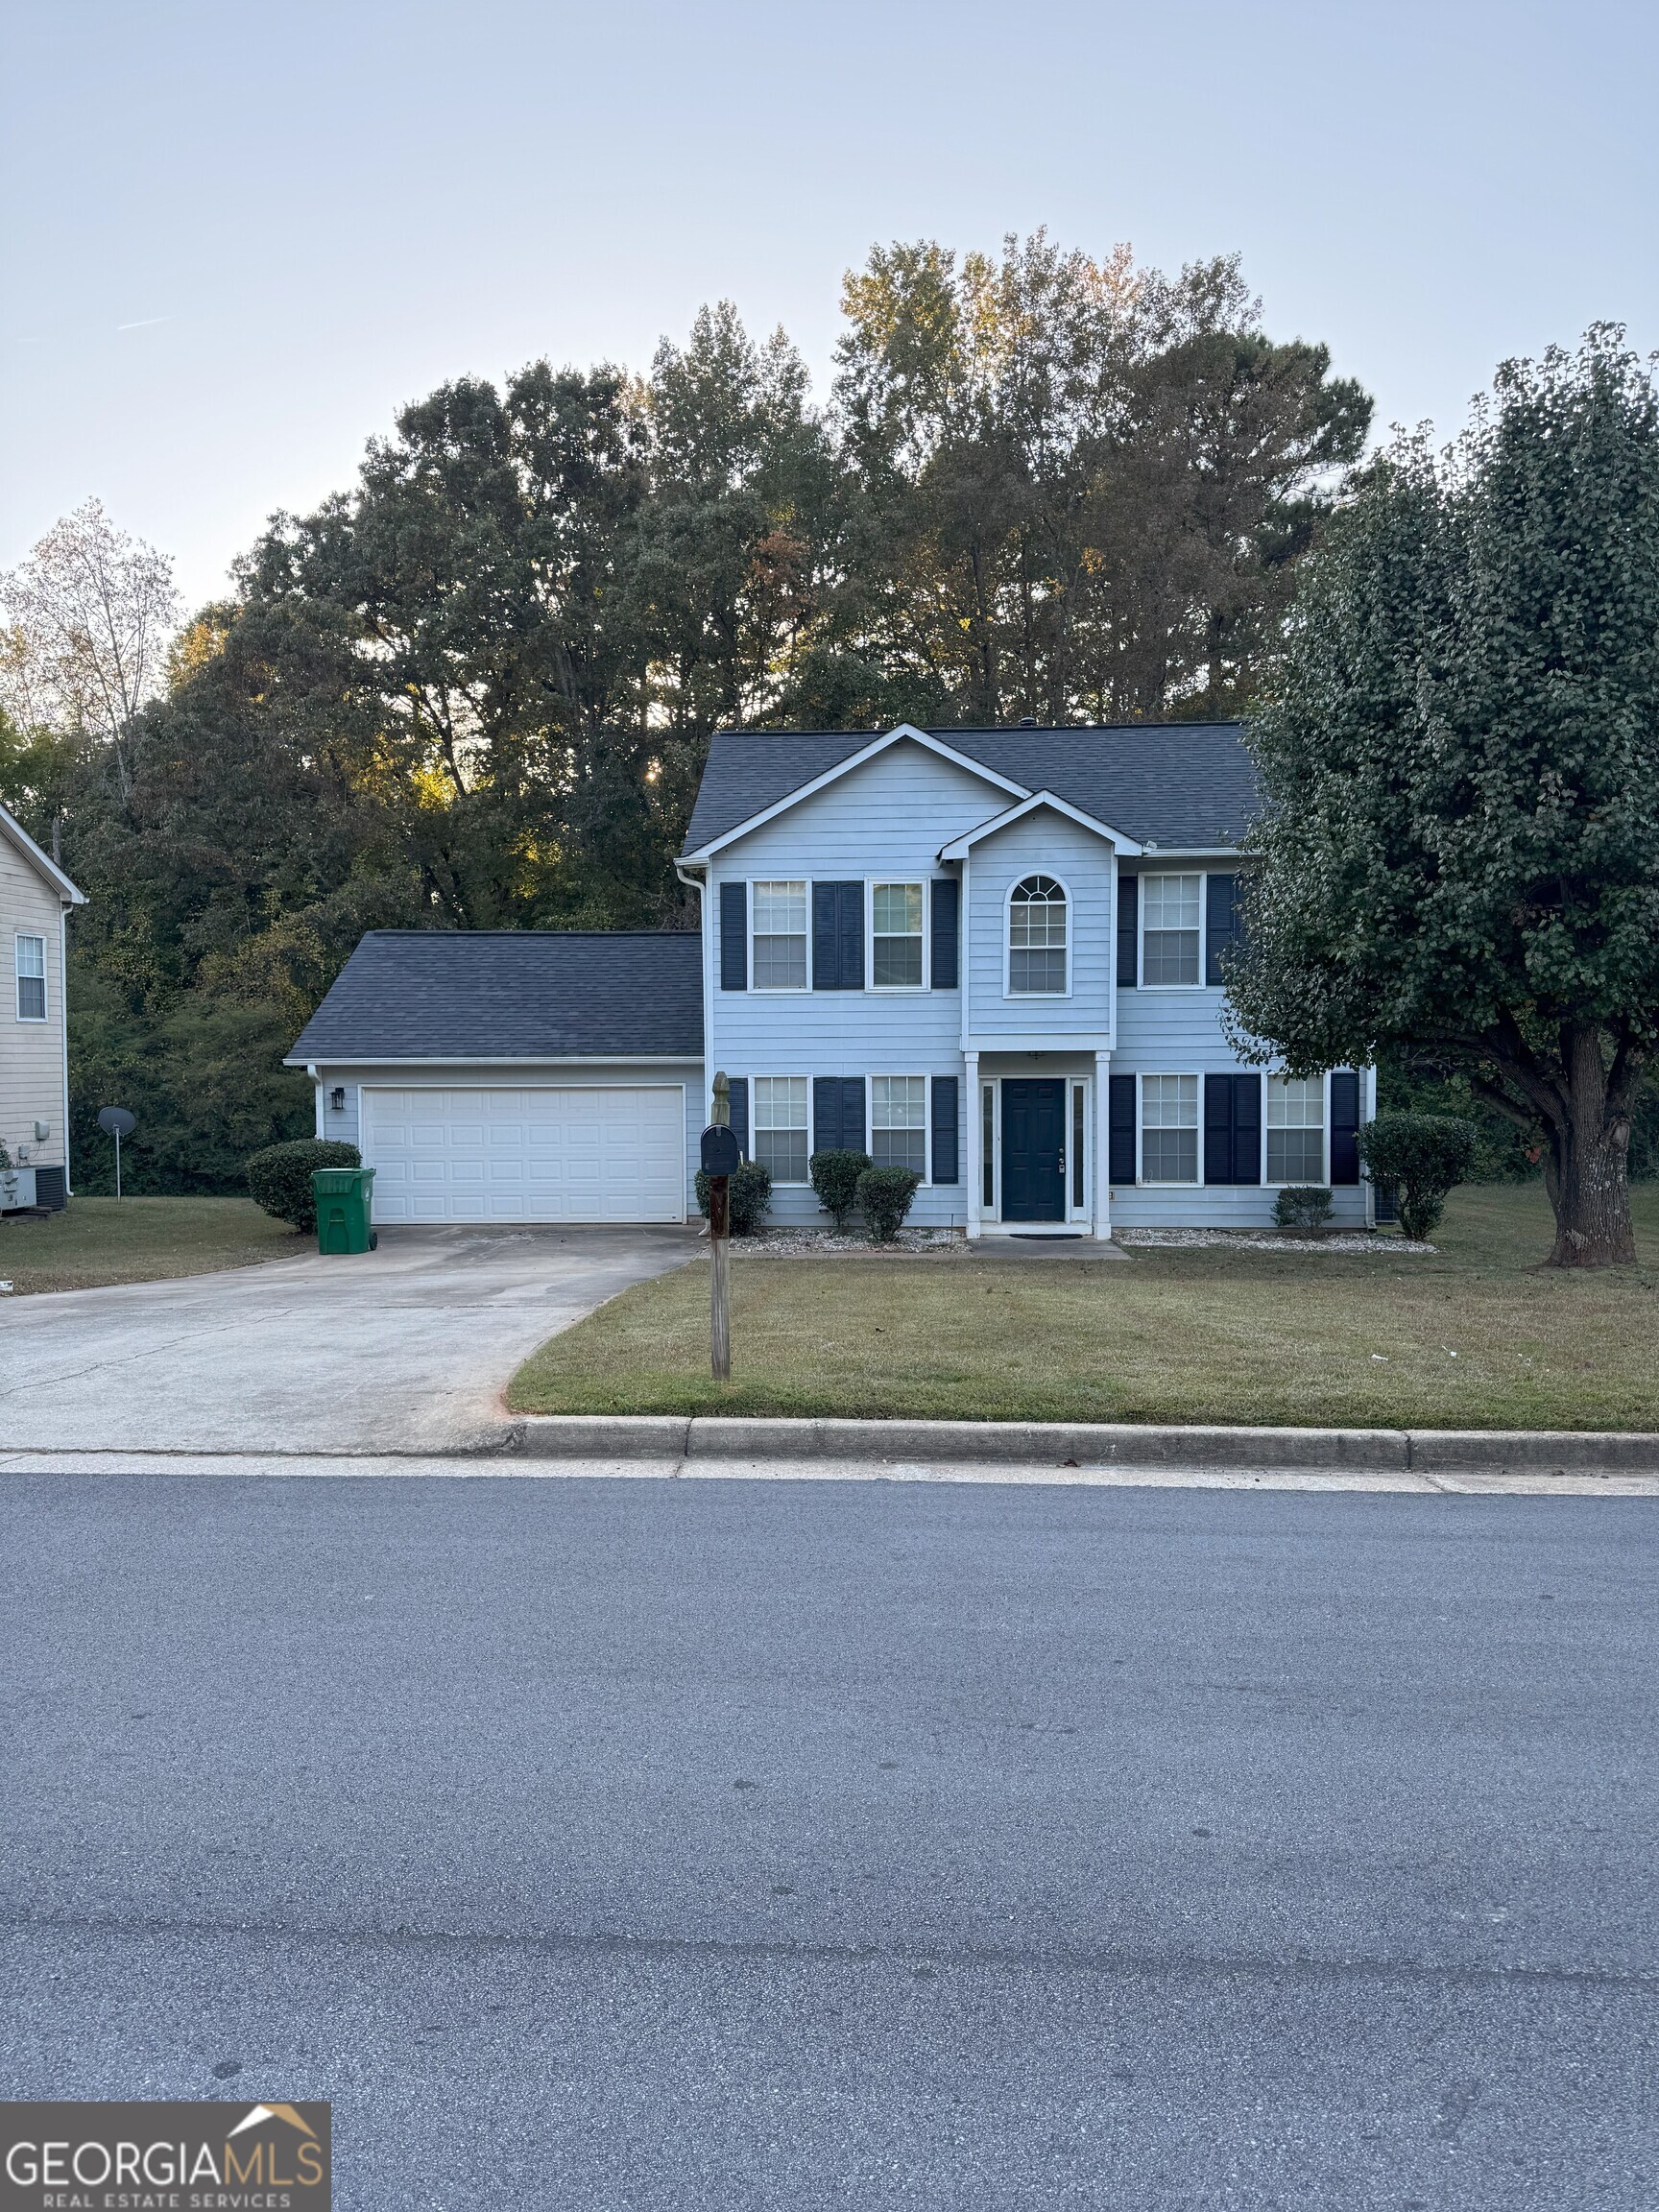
x=1037, y=938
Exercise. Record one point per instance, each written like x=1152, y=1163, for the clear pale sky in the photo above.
x=236, y=236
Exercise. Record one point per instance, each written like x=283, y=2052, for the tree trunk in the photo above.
x=1586, y=1167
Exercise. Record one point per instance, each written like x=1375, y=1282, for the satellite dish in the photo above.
x=116, y=1121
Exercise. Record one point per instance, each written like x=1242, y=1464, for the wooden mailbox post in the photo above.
x=720, y=1162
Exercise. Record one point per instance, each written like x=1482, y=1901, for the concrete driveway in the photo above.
x=404, y=1349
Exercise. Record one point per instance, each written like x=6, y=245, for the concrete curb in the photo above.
x=1060, y=1443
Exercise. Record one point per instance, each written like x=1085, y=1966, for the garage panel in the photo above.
x=537, y=1152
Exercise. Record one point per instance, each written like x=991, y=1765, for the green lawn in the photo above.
x=1164, y=1336
x=136, y=1239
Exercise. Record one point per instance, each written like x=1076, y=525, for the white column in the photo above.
x=976, y=1124
x=1102, y=1143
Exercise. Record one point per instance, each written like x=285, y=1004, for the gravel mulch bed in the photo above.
x=814, y=1243
x=1264, y=1241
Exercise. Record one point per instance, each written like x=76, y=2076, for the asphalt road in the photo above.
x=651, y=1845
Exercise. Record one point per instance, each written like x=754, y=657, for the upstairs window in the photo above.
x=780, y=931
x=899, y=1121
x=1170, y=928
x=31, y=979
x=1296, y=1129
x=1036, y=939
x=780, y=1126
x=896, y=936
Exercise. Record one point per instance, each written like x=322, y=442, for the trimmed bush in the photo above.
x=749, y=1197
x=1420, y=1157
x=835, y=1177
x=280, y=1177
x=885, y=1194
x=1303, y=1206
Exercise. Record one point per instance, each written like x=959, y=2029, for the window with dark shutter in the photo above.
x=1344, y=1127
x=1221, y=923
x=946, y=916
x=838, y=936
x=1120, y=1127
x=1231, y=1128
x=733, y=936
x=1128, y=939
x=945, y=1147
x=739, y=1101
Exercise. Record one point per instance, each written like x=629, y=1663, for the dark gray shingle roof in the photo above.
x=1176, y=783
x=509, y=994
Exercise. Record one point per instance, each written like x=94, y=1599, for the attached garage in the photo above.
x=500, y=1075
x=540, y=1152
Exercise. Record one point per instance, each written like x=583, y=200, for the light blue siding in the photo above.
x=1041, y=843
x=885, y=821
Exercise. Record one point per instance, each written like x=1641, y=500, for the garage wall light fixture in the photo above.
x=337, y=1098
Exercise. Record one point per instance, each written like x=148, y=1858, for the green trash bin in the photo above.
x=345, y=1204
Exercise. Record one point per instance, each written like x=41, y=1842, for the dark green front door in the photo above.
x=1033, y=1149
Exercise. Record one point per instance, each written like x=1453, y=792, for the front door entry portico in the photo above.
x=1033, y=1149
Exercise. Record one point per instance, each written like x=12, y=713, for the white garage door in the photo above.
x=536, y=1154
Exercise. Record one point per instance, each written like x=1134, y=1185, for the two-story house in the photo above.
x=35, y=898
x=990, y=955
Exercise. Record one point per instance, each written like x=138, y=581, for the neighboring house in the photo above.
x=36, y=897
x=991, y=955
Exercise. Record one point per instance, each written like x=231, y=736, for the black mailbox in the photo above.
x=720, y=1153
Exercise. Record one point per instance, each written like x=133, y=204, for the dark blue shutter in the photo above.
x=944, y=1107
x=1345, y=1127
x=852, y=1114
x=837, y=936
x=946, y=914
x=1246, y=1128
x=1128, y=942
x=1220, y=923
x=852, y=933
x=826, y=1114
x=1217, y=1128
x=733, y=936
x=1120, y=1123
x=739, y=1105
x=1231, y=1128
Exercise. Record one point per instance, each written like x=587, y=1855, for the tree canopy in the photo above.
x=474, y=689
x=1460, y=858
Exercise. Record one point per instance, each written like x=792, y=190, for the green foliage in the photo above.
x=279, y=1178
x=1303, y=1206
x=1458, y=860
x=834, y=1176
x=1421, y=1158
x=749, y=1199
x=884, y=1193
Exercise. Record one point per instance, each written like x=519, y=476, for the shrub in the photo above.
x=749, y=1197
x=1420, y=1157
x=885, y=1194
x=836, y=1179
x=1303, y=1206
x=280, y=1176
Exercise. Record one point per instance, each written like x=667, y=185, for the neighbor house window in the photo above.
x=780, y=927
x=1037, y=938
x=780, y=1126
x=1296, y=1129
x=1169, y=1128
x=1169, y=910
x=895, y=931
x=899, y=1121
x=31, y=979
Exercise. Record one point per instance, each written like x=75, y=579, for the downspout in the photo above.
x=63, y=1023
x=316, y=1080
x=699, y=883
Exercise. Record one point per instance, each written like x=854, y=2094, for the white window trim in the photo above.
x=923, y=884
x=1145, y=876
x=1036, y=998
x=1276, y=1074
x=794, y=1076
x=20, y=939
x=910, y=1074
x=778, y=989
x=1142, y=1180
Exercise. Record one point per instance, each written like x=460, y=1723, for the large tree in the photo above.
x=1460, y=858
